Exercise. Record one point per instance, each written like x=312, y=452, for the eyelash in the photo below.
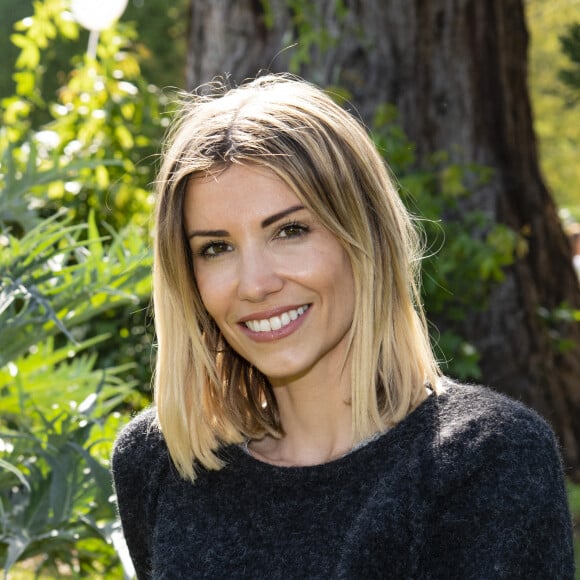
x=204, y=250
x=300, y=231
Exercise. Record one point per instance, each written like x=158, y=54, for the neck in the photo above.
x=317, y=422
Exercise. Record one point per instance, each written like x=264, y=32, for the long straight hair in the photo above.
x=206, y=394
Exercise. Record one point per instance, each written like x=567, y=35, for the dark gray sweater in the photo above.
x=468, y=486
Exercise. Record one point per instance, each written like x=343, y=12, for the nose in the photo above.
x=258, y=276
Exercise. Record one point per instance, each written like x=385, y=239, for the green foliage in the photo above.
x=56, y=495
x=92, y=156
x=467, y=252
x=52, y=279
x=311, y=30
x=554, y=104
x=571, y=48
x=56, y=422
x=161, y=45
x=26, y=175
x=70, y=284
x=557, y=322
x=11, y=11
x=33, y=35
x=107, y=113
x=162, y=41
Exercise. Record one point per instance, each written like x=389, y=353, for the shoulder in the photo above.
x=139, y=445
x=480, y=429
x=499, y=500
x=139, y=465
x=141, y=426
x=142, y=430
x=481, y=412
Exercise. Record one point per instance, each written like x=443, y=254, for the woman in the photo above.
x=301, y=428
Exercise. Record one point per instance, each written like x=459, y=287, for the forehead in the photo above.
x=239, y=192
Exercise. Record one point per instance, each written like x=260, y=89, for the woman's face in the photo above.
x=277, y=283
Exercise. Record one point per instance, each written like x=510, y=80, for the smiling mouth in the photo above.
x=276, y=322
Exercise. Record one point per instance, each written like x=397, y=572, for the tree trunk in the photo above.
x=456, y=71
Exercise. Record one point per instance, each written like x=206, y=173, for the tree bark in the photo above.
x=456, y=71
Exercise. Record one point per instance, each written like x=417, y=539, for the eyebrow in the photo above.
x=264, y=224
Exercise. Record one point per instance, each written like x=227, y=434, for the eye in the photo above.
x=292, y=230
x=214, y=249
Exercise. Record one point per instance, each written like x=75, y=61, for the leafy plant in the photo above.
x=19, y=209
x=466, y=253
x=92, y=155
x=554, y=101
x=68, y=284
x=53, y=279
x=571, y=48
x=56, y=496
x=57, y=420
x=107, y=117
x=557, y=322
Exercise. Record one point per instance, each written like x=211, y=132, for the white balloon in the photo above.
x=97, y=14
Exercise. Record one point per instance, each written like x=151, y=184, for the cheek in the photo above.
x=340, y=280
x=346, y=287
x=334, y=266
x=212, y=291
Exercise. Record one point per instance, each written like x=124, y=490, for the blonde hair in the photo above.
x=206, y=394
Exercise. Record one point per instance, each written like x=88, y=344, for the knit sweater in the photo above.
x=468, y=486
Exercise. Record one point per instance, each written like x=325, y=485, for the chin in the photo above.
x=283, y=373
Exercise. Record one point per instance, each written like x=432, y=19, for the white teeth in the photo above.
x=276, y=322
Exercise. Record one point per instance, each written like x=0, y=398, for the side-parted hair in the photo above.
x=206, y=394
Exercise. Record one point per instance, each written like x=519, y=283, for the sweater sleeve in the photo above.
x=138, y=461
x=501, y=508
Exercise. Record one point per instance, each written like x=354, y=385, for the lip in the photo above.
x=273, y=334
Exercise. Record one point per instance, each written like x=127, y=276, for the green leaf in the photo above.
x=25, y=83
x=16, y=472
x=124, y=136
x=17, y=544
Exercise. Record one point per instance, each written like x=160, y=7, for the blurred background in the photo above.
x=476, y=109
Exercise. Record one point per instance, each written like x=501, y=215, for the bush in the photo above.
x=56, y=424
x=68, y=283
x=466, y=253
